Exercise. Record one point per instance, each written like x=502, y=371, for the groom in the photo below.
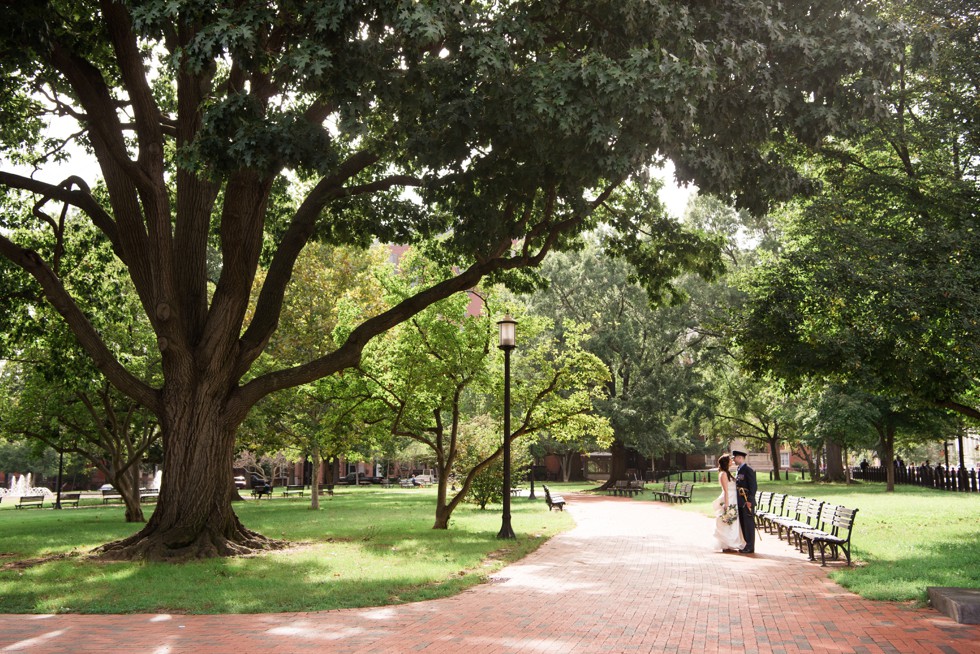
x=745, y=487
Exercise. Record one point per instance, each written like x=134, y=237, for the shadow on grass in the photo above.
x=359, y=550
x=948, y=563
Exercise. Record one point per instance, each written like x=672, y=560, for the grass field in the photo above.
x=370, y=546
x=365, y=547
x=904, y=541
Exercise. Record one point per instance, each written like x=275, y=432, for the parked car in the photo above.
x=352, y=478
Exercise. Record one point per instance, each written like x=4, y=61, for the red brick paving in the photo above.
x=631, y=577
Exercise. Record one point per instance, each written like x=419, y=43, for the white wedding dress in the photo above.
x=727, y=537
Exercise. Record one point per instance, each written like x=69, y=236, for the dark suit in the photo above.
x=745, y=481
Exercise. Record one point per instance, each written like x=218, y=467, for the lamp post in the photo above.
x=531, y=496
x=508, y=341
x=61, y=461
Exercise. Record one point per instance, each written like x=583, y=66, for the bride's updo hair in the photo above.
x=723, y=462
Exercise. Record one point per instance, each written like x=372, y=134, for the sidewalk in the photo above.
x=631, y=577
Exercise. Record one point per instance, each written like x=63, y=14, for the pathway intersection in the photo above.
x=630, y=577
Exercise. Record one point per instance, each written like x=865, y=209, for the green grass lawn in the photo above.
x=370, y=546
x=904, y=541
x=366, y=547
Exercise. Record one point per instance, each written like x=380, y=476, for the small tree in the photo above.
x=443, y=367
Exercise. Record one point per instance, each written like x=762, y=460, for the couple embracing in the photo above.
x=735, y=521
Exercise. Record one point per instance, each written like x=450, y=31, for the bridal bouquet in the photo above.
x=730, y=515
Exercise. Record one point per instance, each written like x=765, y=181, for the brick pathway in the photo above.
x=631, y=577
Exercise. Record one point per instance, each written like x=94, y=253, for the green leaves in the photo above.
x=877, y=283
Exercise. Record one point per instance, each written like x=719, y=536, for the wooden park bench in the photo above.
x=682, y=493
x=553, y=500
x=665, y=492
x=149, y=494
x=27, y=501
x=70, y=498
x=787, y=505
x=626, y=487
x=763, y=501
x=298, y=489
x=806, y=516
x=764, y=517
x=110, y=495
x=821, y=523
x=258, y=490
x=836, y=536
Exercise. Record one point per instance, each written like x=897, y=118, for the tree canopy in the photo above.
x=877, y=283
x=492, y=129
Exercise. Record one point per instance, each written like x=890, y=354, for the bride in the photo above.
x=728, y=532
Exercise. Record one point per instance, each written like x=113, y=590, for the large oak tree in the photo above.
x=878, y=284
x=511, y=121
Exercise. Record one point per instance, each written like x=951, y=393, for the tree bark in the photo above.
x=774, y=456
x=194, y=517
x=315, y=476
x=886, y=450
x=566, y=465
x=835, y=462
x=128, y=485
x=617, y=464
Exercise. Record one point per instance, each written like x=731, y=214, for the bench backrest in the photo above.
x=763, y=501
x=843, y=521
x=685, y=489
x=826, y=520
x=31, y=498
x=776, y=505
x=791, y=507
x=70, y=496
x=811, y=511
x=670, y=486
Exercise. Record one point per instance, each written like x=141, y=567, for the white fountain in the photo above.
x=21, y=485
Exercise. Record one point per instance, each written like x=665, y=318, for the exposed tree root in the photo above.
x=23, y=564
x=171, y=547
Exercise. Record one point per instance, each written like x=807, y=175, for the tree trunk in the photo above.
x=444, y=510
x=443, y=514
x=194, y=517
x=959, y=439
x=835, y=462
x=617, y=464
x=566, y=465
x=315, y=476
x=127, y=483
x=774, y=456
x=886, y=450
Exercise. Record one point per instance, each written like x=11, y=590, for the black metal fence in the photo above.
x=952, y=479
x=712, y=475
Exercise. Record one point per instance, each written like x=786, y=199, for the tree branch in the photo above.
x=87, y=336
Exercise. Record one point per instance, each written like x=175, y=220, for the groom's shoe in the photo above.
x=746, y=550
